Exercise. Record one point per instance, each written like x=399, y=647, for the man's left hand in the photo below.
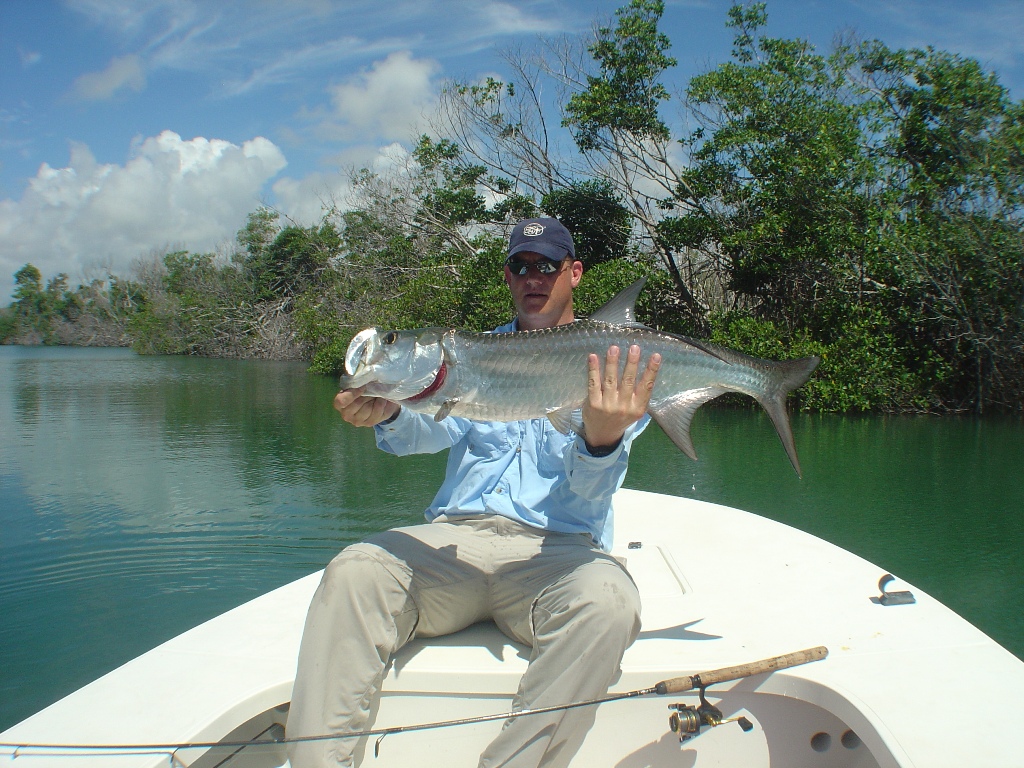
x=613, y=403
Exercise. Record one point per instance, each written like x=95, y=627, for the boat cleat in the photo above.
x=892, y=598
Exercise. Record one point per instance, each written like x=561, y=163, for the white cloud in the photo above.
x=125, y=16
x=370, y=114
x=508, y=19
x=384, y=102
x=306, y=200
x=122, y=72
x=192, y=194
x=29, y=58
x=290, y=64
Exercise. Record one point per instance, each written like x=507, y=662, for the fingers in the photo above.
x=611, y=383
x=594, y=375
x=628, y=382
x=649, y=376
x=615, y=401
x=345, y=398
x=650, y=373
x=362, y=411
x=611, y=369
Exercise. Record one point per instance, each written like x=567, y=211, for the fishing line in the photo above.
x=101, y=750
x=674, y=685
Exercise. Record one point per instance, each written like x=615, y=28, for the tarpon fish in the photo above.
x=543, y=373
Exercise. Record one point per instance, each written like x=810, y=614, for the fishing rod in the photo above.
x=685, y=720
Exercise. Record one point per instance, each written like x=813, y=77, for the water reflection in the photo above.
x=141, y=496
x=166, y=443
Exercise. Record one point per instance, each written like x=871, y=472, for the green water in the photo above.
x=140, y=496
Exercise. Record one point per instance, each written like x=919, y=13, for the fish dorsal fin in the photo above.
x=621, y=309
x=675, y=413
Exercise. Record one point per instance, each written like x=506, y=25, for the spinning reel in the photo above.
x=687, y=720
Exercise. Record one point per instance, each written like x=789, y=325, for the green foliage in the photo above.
x=864, y=369
x=868, y=197
x=261, y=227
x=863, y=205
x=602, y=281
x=177, y=319
x=375, y=256
x=292, y=262
x=8, y=325
x=512, y=207
x=94, y=314
x=28, y=283
x=31, y=314
x=38, y=309
x=445, y=289
x=952, y=128
x=594, y=213
x=868, y=368
x=626, y=95
x=447, y=189
x=962, y=288
x=781, y=186
x=953, y=160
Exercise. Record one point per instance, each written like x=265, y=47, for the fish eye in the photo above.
x=390, y=337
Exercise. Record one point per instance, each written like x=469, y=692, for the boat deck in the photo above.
x=901, y=685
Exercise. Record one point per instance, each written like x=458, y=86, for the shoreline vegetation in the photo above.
x=863, y=205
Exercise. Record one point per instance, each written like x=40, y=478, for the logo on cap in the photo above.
x=532, y=230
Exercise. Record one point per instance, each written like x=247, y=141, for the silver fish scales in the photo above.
x=543, y=373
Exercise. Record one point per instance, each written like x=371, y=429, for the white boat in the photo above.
x=904, y=683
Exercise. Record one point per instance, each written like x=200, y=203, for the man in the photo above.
x=518, y=533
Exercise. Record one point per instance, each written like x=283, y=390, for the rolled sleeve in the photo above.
x=599, y=477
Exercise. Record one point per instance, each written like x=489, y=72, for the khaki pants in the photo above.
x=574, y=605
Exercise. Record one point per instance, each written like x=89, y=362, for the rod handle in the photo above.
x=724, y=675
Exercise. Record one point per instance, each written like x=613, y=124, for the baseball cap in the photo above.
x=545, y=236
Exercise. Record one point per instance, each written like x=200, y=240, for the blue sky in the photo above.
x=129, y=127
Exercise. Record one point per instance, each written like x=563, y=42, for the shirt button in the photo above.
x=498, y=491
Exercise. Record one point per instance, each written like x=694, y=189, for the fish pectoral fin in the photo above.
x=446, y=409
x=674, y=415
x=566, y=419
x=576, y=423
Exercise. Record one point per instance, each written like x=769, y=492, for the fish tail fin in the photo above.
x=787, y=375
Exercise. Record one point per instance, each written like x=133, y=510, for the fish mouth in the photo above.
x=362, y=351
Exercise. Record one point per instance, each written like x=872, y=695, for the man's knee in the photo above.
x=364, y=563
x=615, y=599
x=348, y=574
x=370, y=582
x=600, y=596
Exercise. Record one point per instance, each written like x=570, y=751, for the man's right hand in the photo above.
x=360, y=410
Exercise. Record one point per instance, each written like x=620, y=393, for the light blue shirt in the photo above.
x=523, y=470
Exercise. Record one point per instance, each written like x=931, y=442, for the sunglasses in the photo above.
x=545, y=266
